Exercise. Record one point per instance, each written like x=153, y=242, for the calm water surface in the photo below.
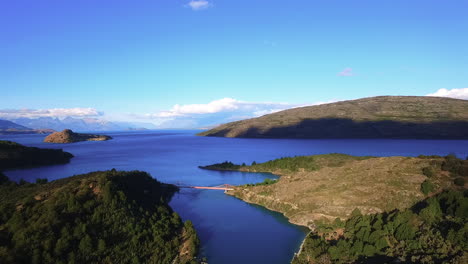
x=231, y=231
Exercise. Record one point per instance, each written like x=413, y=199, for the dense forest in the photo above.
x=289, y=164
x=227, y=166
x=14, y=155
x=433, y=231
x=307, y=163
x=99, y=217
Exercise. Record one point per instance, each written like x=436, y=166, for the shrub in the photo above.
x=428, y=172
x=459, y=181
x=427, y=187
x=41, y=181
x=3, y=178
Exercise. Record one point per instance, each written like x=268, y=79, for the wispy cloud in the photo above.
x=461, y=93
x=346, y=72
x=198, y=4
x=54, y=112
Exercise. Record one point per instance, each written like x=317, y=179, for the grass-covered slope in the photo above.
x=100, y=217
x=14, y=155
x=376, y=117
x=329, y=186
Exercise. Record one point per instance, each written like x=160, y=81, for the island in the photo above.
x=99, y=217
x=68, y=136
x=368, y=209
x=420, y=117
x=14, y=156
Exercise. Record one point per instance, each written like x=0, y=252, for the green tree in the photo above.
x=41, y=180
x=101, y=245
x=3, y=178
x=428, y=171
x=432, y=212
x=86, y=244
x=427, y=187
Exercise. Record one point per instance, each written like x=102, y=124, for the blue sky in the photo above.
x=224, y=60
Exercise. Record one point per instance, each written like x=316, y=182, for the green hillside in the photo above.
x=100, y=217
x=375, y=117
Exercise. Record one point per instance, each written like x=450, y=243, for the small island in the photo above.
x=15, y=156
x=68, y=136
x=225, y=166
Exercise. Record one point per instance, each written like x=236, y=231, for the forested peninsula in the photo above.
x=14, y=156
x=368, y=209
x=99, y=217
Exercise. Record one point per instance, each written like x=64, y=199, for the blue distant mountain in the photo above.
x=6, y=125
x=79, y=124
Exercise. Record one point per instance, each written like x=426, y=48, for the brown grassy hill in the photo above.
x=375, y=117
x=330, y=186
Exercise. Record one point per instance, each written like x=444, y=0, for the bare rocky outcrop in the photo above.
x=68, y=136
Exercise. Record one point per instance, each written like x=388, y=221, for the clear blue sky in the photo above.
x=146, y=56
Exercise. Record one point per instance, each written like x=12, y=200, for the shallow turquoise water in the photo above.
x=231, y=230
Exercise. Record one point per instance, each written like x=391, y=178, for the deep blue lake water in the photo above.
x=231, y=231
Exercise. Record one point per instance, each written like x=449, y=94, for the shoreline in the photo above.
x=279, y=175
x=287, y=218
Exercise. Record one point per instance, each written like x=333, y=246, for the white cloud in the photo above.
x=346, y=72
x=198, y=4
x=461, y=93
x=54, y=112
x=221, y=105
x=216, y=112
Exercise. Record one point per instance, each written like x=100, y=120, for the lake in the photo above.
x=230, y=230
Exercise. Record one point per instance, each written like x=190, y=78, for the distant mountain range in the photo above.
x=8, y=127
x=375, y=117
x=5, y=125
x=77, y=124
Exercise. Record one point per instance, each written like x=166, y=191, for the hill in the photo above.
x=375, y=117
x=14, y=155
x=5, y=125
x=100, y=217
x=345, y=199
x=8, y=127
x=68, y=136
